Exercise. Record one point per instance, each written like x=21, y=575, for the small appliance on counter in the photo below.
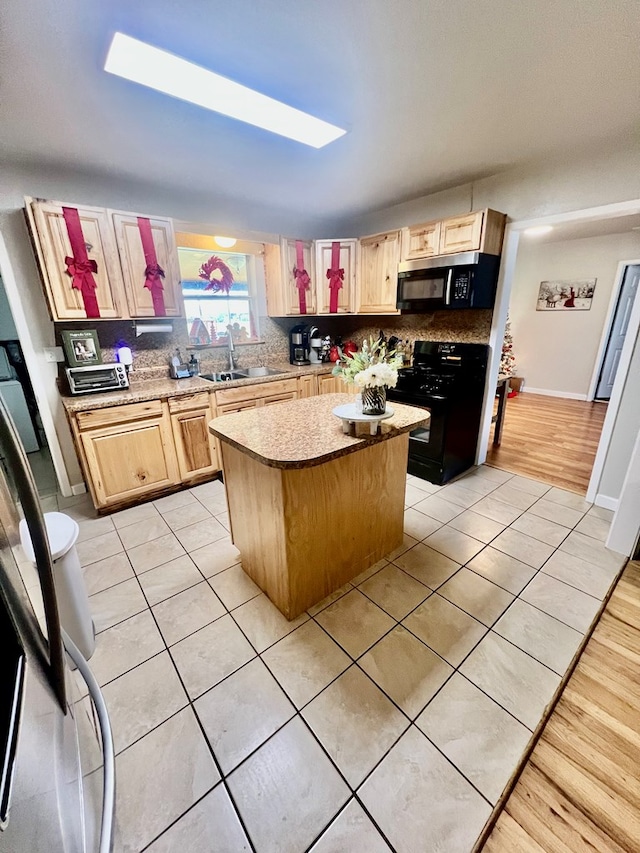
x=95, y=378
x=462, y=280
x=315, y=345
x=299, y=345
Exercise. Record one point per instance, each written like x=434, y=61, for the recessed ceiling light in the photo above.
x=135, y=60
x=225, y=242
x=538, y=230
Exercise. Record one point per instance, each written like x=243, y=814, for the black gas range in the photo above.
x=448, y=379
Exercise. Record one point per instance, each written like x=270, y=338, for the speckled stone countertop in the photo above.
x=161, y=389
x=304, y=432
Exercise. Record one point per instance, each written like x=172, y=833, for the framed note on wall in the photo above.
x=576, y=295
x=81, y=348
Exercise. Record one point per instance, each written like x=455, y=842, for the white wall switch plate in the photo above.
x=53, y=354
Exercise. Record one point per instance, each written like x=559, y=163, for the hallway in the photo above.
x=550, y=438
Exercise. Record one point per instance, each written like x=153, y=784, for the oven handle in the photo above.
x=447, y=295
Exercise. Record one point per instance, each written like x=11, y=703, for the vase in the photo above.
x=374, y=400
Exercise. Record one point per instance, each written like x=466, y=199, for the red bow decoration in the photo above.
x=216, y=284
x=153, y=271
x=303, y=280
x=80, y=267
x=335, y=276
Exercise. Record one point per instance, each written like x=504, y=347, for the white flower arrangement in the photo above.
x=371, y=367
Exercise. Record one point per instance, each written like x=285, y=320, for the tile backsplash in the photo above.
x=152, y=352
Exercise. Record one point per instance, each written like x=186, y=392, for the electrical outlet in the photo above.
x=53, y=354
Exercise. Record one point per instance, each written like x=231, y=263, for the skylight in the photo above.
x=142, y=63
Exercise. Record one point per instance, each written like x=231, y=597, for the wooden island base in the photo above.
x=304, y=532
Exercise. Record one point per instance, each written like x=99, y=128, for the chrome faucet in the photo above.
x=232, y=349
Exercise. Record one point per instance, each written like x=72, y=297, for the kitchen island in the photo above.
x=310, y=506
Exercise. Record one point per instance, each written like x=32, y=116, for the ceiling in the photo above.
x=434, y=93
x=580, y=230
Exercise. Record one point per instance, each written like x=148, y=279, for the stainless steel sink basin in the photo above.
x=224, y=376
x=262, y=371
x=247, y=373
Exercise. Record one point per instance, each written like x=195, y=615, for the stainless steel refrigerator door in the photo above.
x=60, y=796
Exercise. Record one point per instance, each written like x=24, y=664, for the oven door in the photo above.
x=426, y=443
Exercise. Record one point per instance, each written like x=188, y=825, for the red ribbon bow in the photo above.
x=335, y=275
x=302, y=277
x=80, y=267
x=152, y=274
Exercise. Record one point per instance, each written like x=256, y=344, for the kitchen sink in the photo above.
x=248, y=373
x=262, y=371
x=224, y=376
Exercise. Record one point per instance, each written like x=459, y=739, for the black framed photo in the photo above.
x=81, y=348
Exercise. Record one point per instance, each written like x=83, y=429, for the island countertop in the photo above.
x=304, y=433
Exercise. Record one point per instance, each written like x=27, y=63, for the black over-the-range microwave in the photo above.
x=464, y=280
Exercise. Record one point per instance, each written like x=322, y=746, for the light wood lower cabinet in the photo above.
x=195, y=446
x=307, y=386
x=128, y=451
x=332, y=385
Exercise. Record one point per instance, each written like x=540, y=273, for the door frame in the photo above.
x=498, y=323
x=608, y=323
x=36, y=375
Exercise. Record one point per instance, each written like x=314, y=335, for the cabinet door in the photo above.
x=377, y=282
x=130, y=460
x=53, y=246
x=421, y=241
x=229, y=408
x=195, y=446
x=332, y=385
x=307, y=386
x=324, y=250
x=279, y=398
x=133, y=265
x=461, y=233
x=282, y=293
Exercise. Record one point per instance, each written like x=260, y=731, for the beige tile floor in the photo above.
x=389, y=717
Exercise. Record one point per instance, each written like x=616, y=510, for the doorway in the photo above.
x=615, y=339
x=620, y=425
x=18, y=396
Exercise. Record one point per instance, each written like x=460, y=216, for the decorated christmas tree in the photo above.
x=507, y=359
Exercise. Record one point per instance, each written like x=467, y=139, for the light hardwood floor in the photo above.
x=580, y=789
x=551, y=439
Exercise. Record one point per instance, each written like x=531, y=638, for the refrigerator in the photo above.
x=57, y=786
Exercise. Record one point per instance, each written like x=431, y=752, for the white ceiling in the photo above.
x=434, y=92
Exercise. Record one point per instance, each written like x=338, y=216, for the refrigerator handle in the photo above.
x=18, y=466
x=108, y=788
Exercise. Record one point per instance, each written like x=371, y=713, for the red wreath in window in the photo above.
x=216, y=284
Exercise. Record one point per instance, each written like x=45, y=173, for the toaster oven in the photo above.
x=97, y=377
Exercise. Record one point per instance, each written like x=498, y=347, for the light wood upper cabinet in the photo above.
x=377, y=282
x=324, y=251
x=282, y=293
x=461, y=233
x=128, y=451
x=52, y=245
x=195, y=445
x=481, y=230
x=133, y=263
x=421, y=241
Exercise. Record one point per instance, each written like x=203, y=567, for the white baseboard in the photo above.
x=78, y=489
x=606, y=502
x=568, y=395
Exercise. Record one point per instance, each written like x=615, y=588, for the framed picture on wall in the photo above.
x=576, y=295
x=81, y=348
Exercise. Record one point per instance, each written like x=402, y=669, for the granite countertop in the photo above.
x=161, y=389
x=304, y=432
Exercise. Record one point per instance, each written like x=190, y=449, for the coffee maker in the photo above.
x=299, y=344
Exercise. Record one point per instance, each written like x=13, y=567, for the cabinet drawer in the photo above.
x=256, y=392
x=118, y=414
x=200, y=400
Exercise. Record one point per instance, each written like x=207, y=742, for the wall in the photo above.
x=556, y=350
x=8, y=331
x=573, y=182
